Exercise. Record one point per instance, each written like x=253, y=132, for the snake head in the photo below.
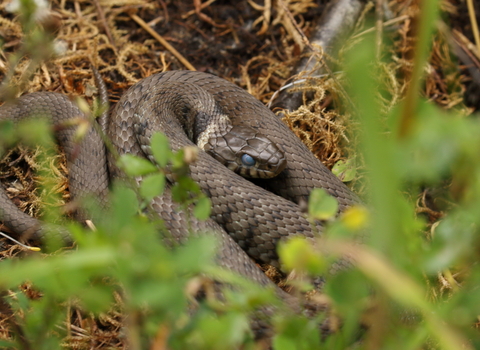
x=247, y=152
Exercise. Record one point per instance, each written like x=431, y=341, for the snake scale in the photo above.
x=256, y=218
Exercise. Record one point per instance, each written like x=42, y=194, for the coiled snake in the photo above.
x=255, y=217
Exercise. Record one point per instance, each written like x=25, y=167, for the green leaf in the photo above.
x=135, y=166
x=294, y=332
x=322, y=206
x=5, y=344
x=35, y=132
x=197, y=255
x=345, y=170
x=178, y=161
x=97, y=298
x=202, y=208
x=282, y=342
x=124, y=204
x=7, y=133
x=297, y=253
x=184, y=188
x=161, y=149
x=152, y=186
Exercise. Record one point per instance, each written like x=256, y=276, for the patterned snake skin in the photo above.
x=255, y=218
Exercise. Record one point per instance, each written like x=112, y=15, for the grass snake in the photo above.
x=189, y=107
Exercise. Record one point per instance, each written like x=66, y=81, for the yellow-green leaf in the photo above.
x=300, y=255
x=322, y=206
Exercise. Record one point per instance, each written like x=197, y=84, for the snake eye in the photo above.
x=247, y=160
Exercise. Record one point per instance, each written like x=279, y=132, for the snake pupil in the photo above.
x=248, y=160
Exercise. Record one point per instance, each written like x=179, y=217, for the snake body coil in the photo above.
x=256, y=218
x=171, y=102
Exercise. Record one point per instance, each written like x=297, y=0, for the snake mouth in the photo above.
x=267, y=172
x=267, y=165
x=259, y=170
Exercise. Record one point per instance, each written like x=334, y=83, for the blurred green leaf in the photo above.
x=135, y=166
x=297, y=253
x=161, y=149
x=348, y=300
x=97, y=299
x=33, y=132
x=7, y=344
x=7, y=134
x=452, y=241
x=152, y=185
x=202, y=208
x=321, y=205
x=345, y=170
x=183, y=189
x=298, y=333
x=124, y=204
x=196, y=256
x=220, y=332
x=283, y=342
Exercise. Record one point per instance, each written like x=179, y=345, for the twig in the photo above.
x=265, y=18
x=162, y=41
x=336, y=22
x=422, y=42
x=165, y=10
x=292, y=27
x=473, y=19
x=465, y=51
x=379, y=28
x=102, y=19
x=204, y=17
x=292, y=84
x=202, y=6
x=385, y=24
x=35, y=249
x=316, y=53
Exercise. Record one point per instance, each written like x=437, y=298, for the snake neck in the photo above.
x=197, y=112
